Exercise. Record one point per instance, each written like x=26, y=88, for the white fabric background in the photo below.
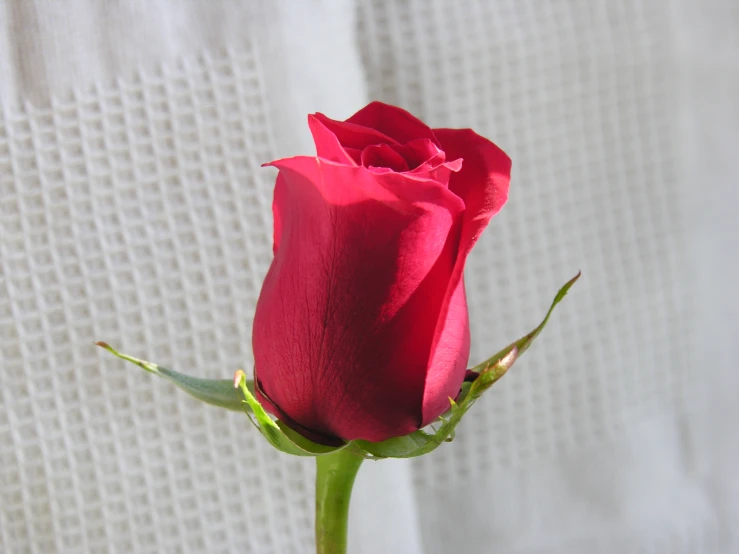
x=133, y=210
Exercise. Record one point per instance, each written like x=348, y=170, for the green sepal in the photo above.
x=524, y=342
x=492, y=369
x=277, y=433
x=218, y=392
x=399, y=447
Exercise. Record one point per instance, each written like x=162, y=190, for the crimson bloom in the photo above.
x=361, y=329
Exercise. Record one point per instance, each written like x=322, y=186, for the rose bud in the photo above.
x=361, y=329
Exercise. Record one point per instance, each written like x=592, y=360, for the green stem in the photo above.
x=335, y=475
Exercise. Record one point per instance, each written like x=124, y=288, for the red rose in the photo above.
x=361, y=330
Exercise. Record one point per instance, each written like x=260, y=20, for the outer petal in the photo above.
x=482, y=183
x=450, y=354
x=277, y=201
x=327, y=143
x=393, y=122
x=347, y=313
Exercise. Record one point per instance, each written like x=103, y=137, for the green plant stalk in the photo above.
x=335, y=475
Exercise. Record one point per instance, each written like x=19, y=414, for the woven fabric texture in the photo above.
x=133, y=209
x=125, y=216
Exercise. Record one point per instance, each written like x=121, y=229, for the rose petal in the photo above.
x=393, y=122
x=420, y=151
x=440, y=173
x=277, y=201
x=483, y=180
x=327, y=143
x=483, y=184
x=450, y=354
x=348, y=310
x=354, y=154
x=351, y=135
x=383, y=155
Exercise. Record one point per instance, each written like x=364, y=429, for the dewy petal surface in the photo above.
x=349, y=308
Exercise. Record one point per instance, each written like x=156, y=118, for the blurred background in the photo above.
x=133, y=209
